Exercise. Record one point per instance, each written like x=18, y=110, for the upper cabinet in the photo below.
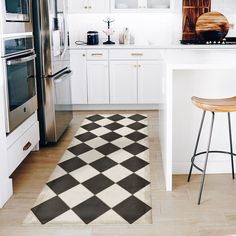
x=140, y=5
x=89, y=6
x=106, y=6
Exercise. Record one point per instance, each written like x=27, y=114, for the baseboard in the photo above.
x=217, y=167
x=116, y=107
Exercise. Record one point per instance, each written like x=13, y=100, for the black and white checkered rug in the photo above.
x=103, y=177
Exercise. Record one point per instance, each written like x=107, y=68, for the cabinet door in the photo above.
x=100, y=6
x=98, y=82
x=150, y=82
x=141, y=5
x=78, y=6
x=123, y=82
x=79, y=77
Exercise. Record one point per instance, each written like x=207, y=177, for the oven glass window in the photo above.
x=21, y=82
x=13, y=46
x=17, y=6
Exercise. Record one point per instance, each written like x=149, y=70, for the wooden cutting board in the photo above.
x=191, y=10
x=212, y=21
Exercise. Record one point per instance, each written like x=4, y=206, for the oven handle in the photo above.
x=20, y=60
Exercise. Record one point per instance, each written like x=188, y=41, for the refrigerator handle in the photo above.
x=65, y=29
x=62, y=73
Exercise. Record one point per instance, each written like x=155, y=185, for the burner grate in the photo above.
x=225, y=41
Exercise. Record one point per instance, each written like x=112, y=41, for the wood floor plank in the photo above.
x=174, y=213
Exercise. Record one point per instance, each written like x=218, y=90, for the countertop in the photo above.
x=166, y=46
x=200, y=59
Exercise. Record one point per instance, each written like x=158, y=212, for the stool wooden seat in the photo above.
x=215, y=105
x=212, y=105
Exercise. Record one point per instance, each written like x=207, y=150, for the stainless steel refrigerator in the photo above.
x=53, y=68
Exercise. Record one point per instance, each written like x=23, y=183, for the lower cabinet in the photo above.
x=150, y=75
x=123, y=82
x=119, y=76
x=79, y=76
x=98, y=82
x=135, y=82
x=21, y=142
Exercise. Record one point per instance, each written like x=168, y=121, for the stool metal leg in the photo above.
x=196, y=146
x=231, y=145
x=207, y=154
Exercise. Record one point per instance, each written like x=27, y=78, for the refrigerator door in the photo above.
x=58, y=112
x=54, y=38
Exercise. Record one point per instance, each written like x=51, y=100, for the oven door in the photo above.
x=20, y=89
x=17, y=10
x=17, y=16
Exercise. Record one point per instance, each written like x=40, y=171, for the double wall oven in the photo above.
x=19, y=75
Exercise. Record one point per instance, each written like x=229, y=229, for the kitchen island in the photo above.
x=203, y=73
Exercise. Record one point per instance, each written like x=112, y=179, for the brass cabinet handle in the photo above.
x=96, y=54
x=27, y=146
x=137, y=54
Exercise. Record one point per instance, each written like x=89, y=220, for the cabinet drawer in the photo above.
x=97, y=54
x=135, y=54
x=17, y=152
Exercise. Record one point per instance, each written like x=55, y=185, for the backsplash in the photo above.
x=147, y=28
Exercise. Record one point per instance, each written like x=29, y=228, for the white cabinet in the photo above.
x=116, y=76
x=98, y=82
x=89, y=6
x=21, y=142
x=140, y=5
x=150, y=82
x=79, y=77
x=135, y=76
x=123, y=82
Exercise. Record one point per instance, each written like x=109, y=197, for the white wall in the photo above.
x=144, y=27
x=158, y=28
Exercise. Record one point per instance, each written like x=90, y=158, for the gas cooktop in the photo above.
x=225, y=41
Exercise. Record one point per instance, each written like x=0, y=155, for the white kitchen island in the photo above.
x=203, y=73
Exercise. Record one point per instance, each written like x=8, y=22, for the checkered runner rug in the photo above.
x=102, y=178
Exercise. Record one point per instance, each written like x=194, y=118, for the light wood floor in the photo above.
x=174, y=213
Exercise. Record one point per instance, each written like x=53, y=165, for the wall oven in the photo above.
x=17, y=10
x=16, y=16
x=18, y=62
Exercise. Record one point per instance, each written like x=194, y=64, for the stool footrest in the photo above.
x=201, y=153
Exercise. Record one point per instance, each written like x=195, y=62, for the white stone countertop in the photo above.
x=167, y=46
x=200, y=59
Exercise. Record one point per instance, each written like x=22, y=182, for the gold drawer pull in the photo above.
x=96, y=54
x=136, y=54
x=27, y=146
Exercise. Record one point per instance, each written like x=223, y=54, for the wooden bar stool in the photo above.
x=212, y=105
